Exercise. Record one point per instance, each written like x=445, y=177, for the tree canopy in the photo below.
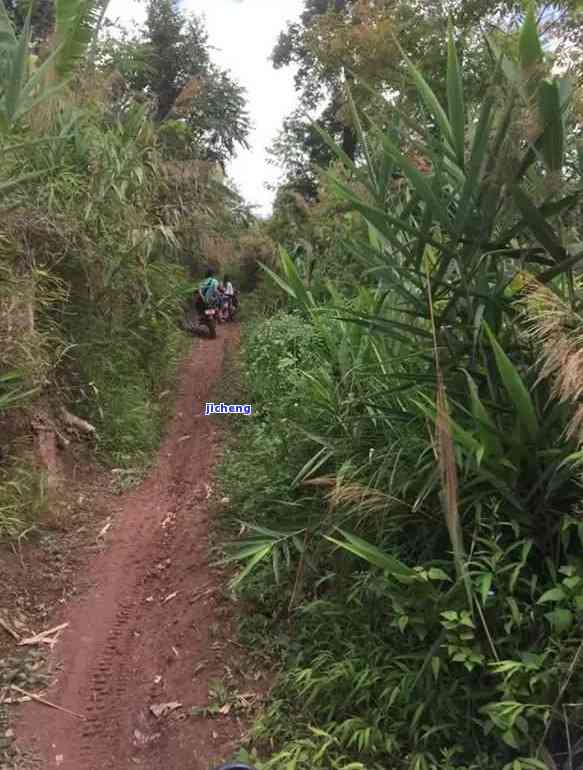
x=363, y=44
x=169, y=62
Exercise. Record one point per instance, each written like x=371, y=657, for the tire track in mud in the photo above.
x=128, y=646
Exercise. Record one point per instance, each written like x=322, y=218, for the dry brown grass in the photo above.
x=352, y=495
x=184, y=100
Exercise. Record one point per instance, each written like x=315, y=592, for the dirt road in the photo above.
x=143, y=632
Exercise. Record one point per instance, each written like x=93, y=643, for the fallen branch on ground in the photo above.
x=43, y=636
x=44, y=702
x=9, y=630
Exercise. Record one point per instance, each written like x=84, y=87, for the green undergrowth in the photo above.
x=303, y=640
x=131, y=377
x=382, y=668
x=23, y=498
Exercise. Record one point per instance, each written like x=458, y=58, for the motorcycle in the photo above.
x=199, y=313
x=231, y=307
x=209, y=319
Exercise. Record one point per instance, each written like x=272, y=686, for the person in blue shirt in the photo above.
x=208, y=292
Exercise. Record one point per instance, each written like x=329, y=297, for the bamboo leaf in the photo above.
x=253, y=562
x=373, y=555
x=248, y=550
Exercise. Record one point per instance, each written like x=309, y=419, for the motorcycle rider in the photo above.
x=207, y=292
x=229, y=295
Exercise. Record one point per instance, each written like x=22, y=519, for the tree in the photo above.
x=176, y=55
x=42, y=16
x=299, y=148
x=361, y=43
x=218, y=116
x=169, y=61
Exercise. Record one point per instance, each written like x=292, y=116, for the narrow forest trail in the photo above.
x=142, y=633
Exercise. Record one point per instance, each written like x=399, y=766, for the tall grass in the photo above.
x=421, y=640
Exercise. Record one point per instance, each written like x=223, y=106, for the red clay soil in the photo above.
x=142, y=633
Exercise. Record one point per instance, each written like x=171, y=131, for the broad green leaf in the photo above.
x=18, y=72
x=291, y=273
x=6, y=29
x=485, y=584
x=387, y=224
x=560, y=619
x=510, y=738
x=438, y=574
x=515, y=387
x=312, y=465
x=363, y=140
x=462, y=437
x=301, y=296
x=553, y=595
x=75, y=23
x=478, y=158
x=336, y=148
x=419, y=182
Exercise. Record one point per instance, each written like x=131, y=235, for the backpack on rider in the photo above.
x=208, y=291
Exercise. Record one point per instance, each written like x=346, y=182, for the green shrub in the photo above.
x=122, y=372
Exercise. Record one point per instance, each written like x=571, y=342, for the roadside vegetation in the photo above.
x=404, y=506
x=406, y=501
x=113, y=200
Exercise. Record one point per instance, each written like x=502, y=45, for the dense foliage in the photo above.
x=107, y=214
x=169, y=62
x=413, y=475
x=363, y=43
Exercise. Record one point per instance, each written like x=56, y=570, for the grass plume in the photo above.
x=555, y=329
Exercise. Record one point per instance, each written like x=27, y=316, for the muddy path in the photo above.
x=153, y=625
